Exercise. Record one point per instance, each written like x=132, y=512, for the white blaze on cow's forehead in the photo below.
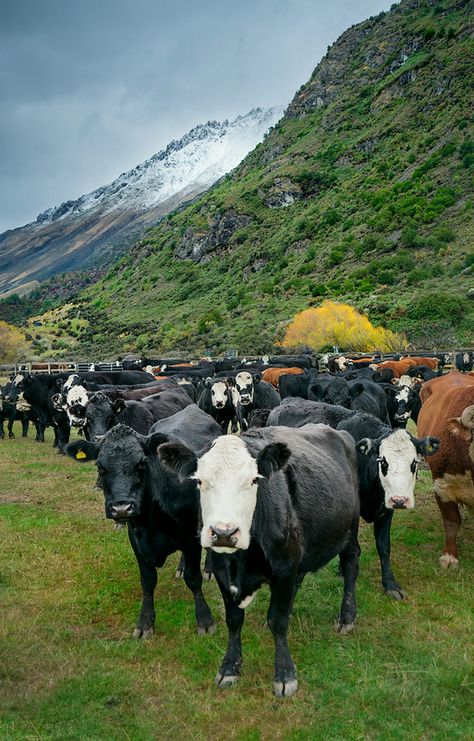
x=69, y=381
x=243, y=379
x=18, y=379
x=403, y=392
x=405, y=381
x=227, y=457
x=218, y=391
x=399, y=481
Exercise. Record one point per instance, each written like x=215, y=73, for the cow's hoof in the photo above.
x=344, y=629
x=119, y=525
x=396, y=593
x=11, y=436
x=225, y=680
x=207, y=576
x=209, y=629
x=178, y=574
x=285, y=689
x=144, y=634
x=448, y=561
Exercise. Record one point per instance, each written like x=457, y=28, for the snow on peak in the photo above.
x=195, y=161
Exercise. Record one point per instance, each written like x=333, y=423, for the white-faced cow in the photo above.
x=252, y=393
x=275, y=504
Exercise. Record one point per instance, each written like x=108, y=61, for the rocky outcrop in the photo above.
x=196, y=245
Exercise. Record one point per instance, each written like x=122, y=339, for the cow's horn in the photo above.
x=467, y=417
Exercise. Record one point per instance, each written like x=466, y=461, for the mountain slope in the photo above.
x=362, y=192
x=102, y=223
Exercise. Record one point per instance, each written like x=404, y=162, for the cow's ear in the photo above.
x=356, y=390
x=59, y=383
x=272, y=458
x=427, y=446
x=257, y=378
x=365, y=445
x=456, y=427
x=178, y=458
x=119, y=406
x=78, y=410
x=317, y=391
x=231, y=381
x=82, y=450
x=390, y=390
x=208, y=382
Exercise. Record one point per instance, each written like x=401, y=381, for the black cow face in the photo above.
x=121, y=459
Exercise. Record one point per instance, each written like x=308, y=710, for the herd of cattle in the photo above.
x=316, y=450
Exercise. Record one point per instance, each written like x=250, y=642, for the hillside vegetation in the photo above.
x=361, y=193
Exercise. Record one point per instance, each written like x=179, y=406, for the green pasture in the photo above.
x=69, y=597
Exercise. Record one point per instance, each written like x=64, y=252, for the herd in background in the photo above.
x=321, y=441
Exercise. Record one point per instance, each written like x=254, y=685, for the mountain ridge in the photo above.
x=101, y=223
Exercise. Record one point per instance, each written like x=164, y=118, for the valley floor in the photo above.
x=70, y=592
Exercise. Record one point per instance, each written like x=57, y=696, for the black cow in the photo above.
x=464, y=361
x=275, y=504
x=422, y=371
x=362, y=395
x=38, y=391
x=403, y=402
x=15, y=412
x=299, y=412
x=216, y=399
x=387, y=465
x=100, y=414
x=253, y=393
x=160, y=509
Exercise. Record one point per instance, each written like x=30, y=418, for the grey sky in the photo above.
x=90, y=88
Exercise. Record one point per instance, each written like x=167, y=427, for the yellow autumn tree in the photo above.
x=12, y=343
x=341, y=325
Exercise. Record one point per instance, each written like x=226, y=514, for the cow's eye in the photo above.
x=198, y=482
x=212, y=392
x=255, y=481
x=414, y=466
x=383, y=466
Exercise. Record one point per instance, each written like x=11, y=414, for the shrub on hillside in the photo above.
x=338, y=324
x=436, y=305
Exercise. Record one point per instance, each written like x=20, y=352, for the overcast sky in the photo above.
x=90, y=88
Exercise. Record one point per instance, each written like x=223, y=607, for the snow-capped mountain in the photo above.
x=103, y=223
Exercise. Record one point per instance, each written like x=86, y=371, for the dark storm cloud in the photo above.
x=88, y=89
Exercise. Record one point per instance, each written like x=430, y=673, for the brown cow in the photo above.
x=448, y=413
x=272, y=375
x=400, y=367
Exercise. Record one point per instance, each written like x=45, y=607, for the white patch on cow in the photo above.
x=398, y=482
x=245, y=387
x=373, y=366
x=465, y=357
x=324, y=359
x=402, y=394
x=448, y=561
x=228, y=485
x=218, y=394
x=21, y=404
x=265, y=359
x=458, y=488
x=18, y=379
x=341, y=363
x=148, y=369
x=75, y=395
x=247, y=601
x=406, y=381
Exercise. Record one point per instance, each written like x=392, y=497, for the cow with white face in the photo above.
x=252, y=393
x=73, y=396
x=387, y=465
x=216, y=398
x=276, y=503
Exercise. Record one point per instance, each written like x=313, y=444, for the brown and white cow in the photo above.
x=448, y=413
x=272, y=375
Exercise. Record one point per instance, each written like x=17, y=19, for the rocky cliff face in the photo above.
x=99, y=225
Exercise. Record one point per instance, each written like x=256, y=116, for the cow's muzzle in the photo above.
x=121, y=511
x=224, y=537
x=399, y=502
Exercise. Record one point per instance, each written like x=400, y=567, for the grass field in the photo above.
x=69, y=596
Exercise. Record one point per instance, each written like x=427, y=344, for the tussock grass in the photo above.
x=69, y=595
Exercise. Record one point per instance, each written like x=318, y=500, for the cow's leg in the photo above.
x=235, y=425
x=146, y=619
x=208, y=565
x=25, y=423
x=452, y=522
x=382, y=541
x=229, y=670
x=2, y=431
x=41, y=429
x=63, y=434
x=37, y=428
x=349, y=562
x=193, y=580
x=283, y=590
x=11, y=420
x=180, y=568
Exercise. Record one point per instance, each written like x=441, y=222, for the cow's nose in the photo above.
x=399, y=502
x=122, y=511
x=224, y=536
